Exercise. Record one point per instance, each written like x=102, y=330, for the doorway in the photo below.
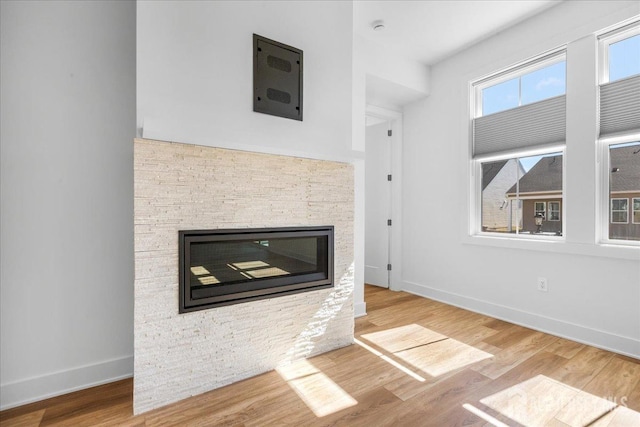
x=378, y=215
x=383, y=198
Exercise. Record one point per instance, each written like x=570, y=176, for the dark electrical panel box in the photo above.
x=277, y=78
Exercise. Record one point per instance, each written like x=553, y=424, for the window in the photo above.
x=624, y=58
x=619, y=132
x=620, y=52
x=532, y=86
x=619, y=211
x=624, y=191
x=511, y=193
x=519, y=125
x=620, y=82
x=554, y=211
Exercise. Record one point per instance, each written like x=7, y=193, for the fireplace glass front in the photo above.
x=222, y=267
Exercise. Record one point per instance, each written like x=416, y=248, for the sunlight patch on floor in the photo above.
x=442, y=357
x=403, y=337
x=390, y=361
x=481, y=414
x=427, y=350
x=541, y=400
x=317, y=391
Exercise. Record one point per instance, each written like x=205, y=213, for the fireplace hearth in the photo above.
x=223, y=267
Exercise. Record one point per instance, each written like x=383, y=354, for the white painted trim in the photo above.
x=62, y=382
x=359, y=309
x=601, y=339
x=623, y=250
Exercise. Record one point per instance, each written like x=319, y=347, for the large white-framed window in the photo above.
x=635, y=210
x=518, y=137
x=619, y=134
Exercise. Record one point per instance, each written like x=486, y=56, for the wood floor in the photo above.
x=416, y=362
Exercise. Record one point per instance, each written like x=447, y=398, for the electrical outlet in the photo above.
x=542, y=284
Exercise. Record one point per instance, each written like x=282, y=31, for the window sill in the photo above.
x=556, y=245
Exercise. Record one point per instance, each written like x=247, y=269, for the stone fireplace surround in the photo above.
x=181, y=187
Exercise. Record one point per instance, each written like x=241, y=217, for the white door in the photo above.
x=377, y=204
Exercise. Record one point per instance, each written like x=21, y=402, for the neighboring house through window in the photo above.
x=540, y=188
x=498, y=214
x=624, y=191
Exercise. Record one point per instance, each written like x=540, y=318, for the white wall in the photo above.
x=195, y=75
x=594, y=292
x=68, y=120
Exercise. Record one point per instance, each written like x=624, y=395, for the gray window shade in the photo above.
x=534, y=125
x=620, y=106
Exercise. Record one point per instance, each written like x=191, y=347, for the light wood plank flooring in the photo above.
x=416, y=362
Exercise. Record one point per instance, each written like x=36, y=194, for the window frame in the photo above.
x=626, y=211
x=549, y=210
x=605, y=40
x=532, y=64
x=605, y=196
x=634, y=210
x=516, y=71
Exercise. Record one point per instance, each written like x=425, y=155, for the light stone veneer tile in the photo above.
x=181, y=187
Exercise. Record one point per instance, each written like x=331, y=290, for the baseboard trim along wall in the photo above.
x=601, y=339
x=55, y=384
x=359, y=309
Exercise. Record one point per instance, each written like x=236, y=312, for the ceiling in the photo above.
x=429, y=31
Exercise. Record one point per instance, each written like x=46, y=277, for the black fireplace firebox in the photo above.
x=223, y=267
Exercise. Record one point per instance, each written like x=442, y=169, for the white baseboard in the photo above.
x=582, y=334
x=359, y=309
x=57, y=383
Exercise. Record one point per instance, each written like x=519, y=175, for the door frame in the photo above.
x=395, y=233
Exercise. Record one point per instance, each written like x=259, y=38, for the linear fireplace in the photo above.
x=223, y=267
